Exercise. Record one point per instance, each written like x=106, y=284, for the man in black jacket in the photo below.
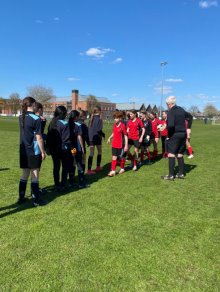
x=177, y=133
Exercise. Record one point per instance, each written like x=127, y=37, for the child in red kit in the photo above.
x=155, y=134
x=188, y=145
x=146, y=139
x=135, y=130
x=119, y=143
x=162, y=128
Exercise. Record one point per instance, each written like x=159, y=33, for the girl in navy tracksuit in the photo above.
x=95, y=139
x=77, y=149
x=58, y=145
x=85, y=135
x=31, y=151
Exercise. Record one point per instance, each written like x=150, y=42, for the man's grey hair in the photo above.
x=171, y=100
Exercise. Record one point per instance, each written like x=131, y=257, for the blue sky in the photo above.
x=112, y=49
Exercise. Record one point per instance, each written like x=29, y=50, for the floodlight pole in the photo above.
x=162, y=64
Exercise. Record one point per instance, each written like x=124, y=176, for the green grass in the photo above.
x=133, y=232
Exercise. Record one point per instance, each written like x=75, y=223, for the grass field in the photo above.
x=133, y=232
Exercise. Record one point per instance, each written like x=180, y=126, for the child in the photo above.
x=134, y=126
x=162, y=128
x=119, y=143
x=31, y=151
x=77, y=149
x=155, y=134
x=188, y=145
x=95, y=139
x=39, y=112
x=85, y=135
x=146, y=138
x=58, y=144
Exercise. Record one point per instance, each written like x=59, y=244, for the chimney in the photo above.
x=75, y=99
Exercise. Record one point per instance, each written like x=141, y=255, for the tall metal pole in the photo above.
x=162, y=64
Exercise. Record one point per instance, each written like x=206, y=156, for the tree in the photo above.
x=40, y=93
x=91, y=103
x=194, y=110
x=14, y=102
x=210, y=111
x=2, y=104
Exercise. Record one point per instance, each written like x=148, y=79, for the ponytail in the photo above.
x=27, y=102
x=72, y=117
x=96, y=110
x=59, y=114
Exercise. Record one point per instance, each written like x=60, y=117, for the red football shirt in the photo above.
x=155, y=123
x=118, y=132
x=133, y=128
x=164, y=132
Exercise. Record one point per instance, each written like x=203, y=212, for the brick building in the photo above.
x=75, y=101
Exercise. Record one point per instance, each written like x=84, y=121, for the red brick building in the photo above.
x=75, y=101
x=80, y=102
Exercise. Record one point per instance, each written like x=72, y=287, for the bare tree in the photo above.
x=14, y=102
x=2, y=104
x=210, y=111
x=193, y=110
x=40, y=93
x=91, y=103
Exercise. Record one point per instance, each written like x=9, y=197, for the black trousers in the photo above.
x=76, y=160
x=164, y=143
x=59, y=159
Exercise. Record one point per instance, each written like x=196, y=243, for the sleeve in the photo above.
x=86, y=134
x=124, y=130
x=66, y=137
x=141, y=125
x=189, y=119
x=99, y=125
x=170, y=124
x=148, y=129
x=38, y=126
x=78, y=130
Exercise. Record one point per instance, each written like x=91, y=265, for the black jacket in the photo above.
x=176, y=120
x=58, y=137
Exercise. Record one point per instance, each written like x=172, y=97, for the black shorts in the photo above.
x=117, y=152
x=134, y=142
x=177, y=144
x=96, y=140
x=30, y=161
x=145, y=143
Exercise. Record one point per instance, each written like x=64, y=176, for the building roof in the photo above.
x=135, y=106
x=82, y=98
x=128, y=106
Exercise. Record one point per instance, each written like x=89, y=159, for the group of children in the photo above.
x=68, y=136
x=138, y=131
x=66, y=143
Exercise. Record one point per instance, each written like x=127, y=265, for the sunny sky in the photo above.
x=113, y=49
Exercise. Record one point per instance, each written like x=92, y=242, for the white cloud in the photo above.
x=73, y=79
x=202, y=98
x=97, y=53
x=115, y=94
x=166, y=90
x=118, y=60
x=174, y=80
x=208, y=4
x=56, y=18
x=39, y=21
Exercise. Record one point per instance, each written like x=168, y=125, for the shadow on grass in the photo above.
x=50, y=195
x=99, y=175
x=187, y=168
x=3, y=169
